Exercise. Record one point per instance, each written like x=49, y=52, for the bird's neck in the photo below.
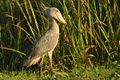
x=54, y=26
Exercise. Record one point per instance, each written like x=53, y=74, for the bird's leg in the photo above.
x=50, y=57
x=40, y=66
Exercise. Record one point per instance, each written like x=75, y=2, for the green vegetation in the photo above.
x=89, y=45
x=81, y=73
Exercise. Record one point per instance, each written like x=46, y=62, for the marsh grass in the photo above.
x=93, y=28
x=82, y=72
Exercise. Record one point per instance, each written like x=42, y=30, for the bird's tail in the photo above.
x=23, y=61
x=30, y=62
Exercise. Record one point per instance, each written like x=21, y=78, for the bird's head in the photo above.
x=54, y=13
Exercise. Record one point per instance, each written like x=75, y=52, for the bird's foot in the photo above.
x=52, y=71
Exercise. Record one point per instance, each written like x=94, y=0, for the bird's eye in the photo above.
x=57, y=11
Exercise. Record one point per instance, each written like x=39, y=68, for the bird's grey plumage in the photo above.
x=46, y=44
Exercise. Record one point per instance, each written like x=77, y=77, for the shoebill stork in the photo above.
x=46, y=43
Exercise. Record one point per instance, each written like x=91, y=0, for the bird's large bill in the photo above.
x=60, y=18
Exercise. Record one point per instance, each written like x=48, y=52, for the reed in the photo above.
x=91, y=35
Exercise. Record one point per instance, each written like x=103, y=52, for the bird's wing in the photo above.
x=44, y=44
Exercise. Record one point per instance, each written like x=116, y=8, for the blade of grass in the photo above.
x=13, y=50
x=18, y=3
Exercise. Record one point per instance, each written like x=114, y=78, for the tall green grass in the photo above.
x=83, y=72
x=92, y=28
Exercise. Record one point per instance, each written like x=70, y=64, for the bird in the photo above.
x=46, y=44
